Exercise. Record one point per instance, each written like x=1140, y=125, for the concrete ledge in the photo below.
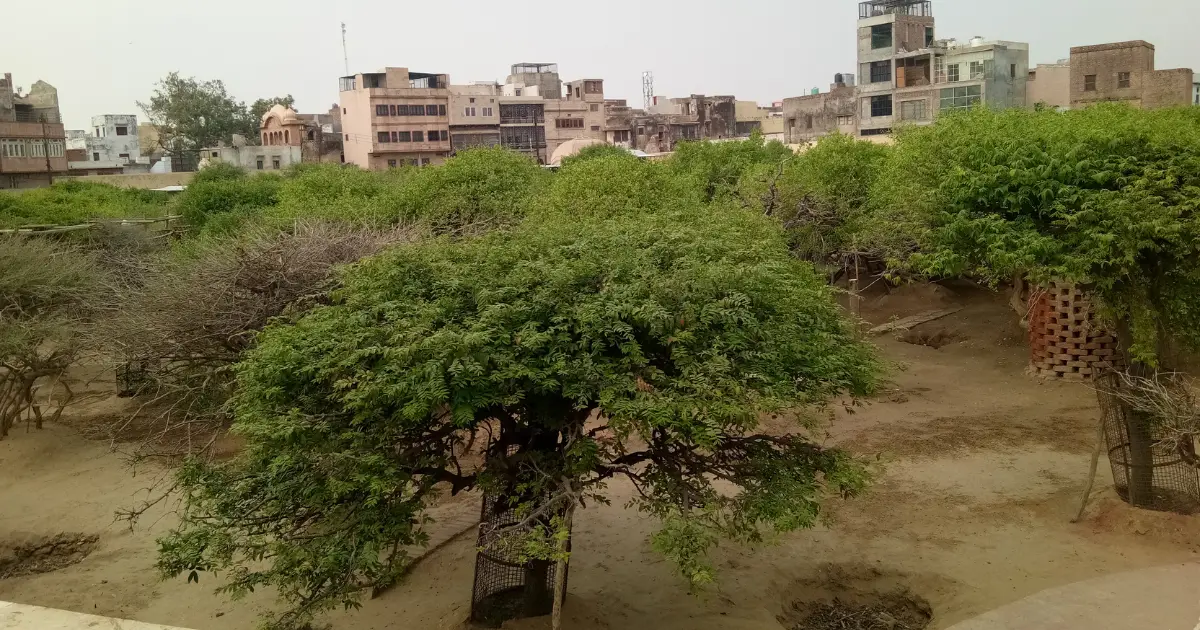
x=14, y=616
x=1161, y=598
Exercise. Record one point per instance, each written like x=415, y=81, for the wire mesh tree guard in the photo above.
x=1149, y=470
x=507, y=586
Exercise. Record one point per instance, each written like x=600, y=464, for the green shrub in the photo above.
x=225, y=195
x=72, y=202
x=611, y=184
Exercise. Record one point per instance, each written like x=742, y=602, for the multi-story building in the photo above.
x=908, y=76
x=1049, y=85
x=523, y=122
x=395, y=118
x=1124, y=72
x=577, y=114
x=32, y=138
x=474, y=116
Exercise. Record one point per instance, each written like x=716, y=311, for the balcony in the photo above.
x=916, y=8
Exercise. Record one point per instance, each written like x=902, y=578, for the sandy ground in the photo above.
x=983, y=466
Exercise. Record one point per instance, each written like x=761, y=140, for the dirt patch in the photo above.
x=933, y=339
x=890, y=612
x=944, y=435
x=46, y=554
x=856, y=598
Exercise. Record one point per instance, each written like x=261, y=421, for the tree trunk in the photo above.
x=535, y=595
x=1137, y=428
x=560, y=571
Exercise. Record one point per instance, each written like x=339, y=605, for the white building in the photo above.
x=252, y=158
x=114, y=138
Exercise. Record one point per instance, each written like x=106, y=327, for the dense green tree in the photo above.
x=821, y=197
x=643, y=345
x=191, y=114
x=714, y=168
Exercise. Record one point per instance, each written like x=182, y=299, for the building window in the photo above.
x=594, y=108
x=418, y=136
x=37, y=149
x=424, y=161
x=441, y=110
x=928, y=36
x=265, y=141
x=844, y=121
x=384, y=136
x=518, y=91
x=487, y=111
x=976, y=69
x=952, y=73
x=416, y=110
x=472, y=100
x=95, y=156
x=343, y=111
x=912, y=110
x=1122, y=79
x=123, y=156
x=287, y=136
x=381, y=110
x=1089, y=83
x=260, y=163
x=311, y=134
x=881, y=105
x=431, y=110
x=395, y=136
x=412, y=162
x=876, y=132
x=122, y=131
x=960, y=97
x=568, y=123
x=445, y=135
x=621, y=135
x=403, y=136
x=641, y=131
x=391, y=163
x=1012, y=70
x=56, y=148
x=881, y=36
x=347, y=137
x=881, y=71
x=275, y=163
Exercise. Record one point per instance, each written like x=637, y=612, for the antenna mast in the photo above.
x=647, y=89
x=345, y=55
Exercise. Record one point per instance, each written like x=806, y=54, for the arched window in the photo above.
x=287, y=137
x=264, y=137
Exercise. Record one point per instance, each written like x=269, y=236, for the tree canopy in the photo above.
x=644, y=346
x=1106, y=197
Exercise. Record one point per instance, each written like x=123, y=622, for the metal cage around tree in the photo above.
x=505, y=586
x=1148, y=470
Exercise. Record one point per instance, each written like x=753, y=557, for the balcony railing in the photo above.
x=522, y=120
x=918, y=8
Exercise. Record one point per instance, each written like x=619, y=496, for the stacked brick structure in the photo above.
x=1064, y=340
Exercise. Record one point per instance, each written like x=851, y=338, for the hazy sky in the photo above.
x=104, y=55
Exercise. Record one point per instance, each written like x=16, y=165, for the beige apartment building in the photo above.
x=474, y=116
x=1124, y=72
x=32, y=137
x=395, y=118
x=579, y=113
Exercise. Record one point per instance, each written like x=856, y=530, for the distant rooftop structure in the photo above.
x=872, y=8
x=534, y=68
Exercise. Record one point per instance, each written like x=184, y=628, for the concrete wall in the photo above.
x=1049, y=84
x=140, y=180
x=483, y=96
x=1167, y=88
x=809, y=117
x=248, y=158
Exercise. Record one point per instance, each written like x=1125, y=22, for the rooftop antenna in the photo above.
x=345, y=55
x=647, y=89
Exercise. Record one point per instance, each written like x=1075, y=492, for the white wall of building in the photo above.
x=251, y=158
x=114, y=139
